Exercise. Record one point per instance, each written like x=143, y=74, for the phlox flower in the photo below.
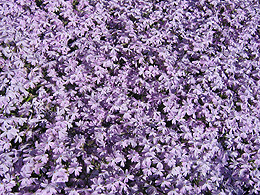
x=60, y=175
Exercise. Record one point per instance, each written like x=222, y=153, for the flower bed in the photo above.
x=129, y=97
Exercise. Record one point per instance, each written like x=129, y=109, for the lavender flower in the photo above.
x=133, y=97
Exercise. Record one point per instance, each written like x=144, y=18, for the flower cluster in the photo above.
x=129, y=97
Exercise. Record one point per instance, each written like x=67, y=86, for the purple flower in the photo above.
x=97, y=184
x=60, y=175
x=75, y=168
x=134, y=156
x=127, y=177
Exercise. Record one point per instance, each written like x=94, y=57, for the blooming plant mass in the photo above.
x=138, y=97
